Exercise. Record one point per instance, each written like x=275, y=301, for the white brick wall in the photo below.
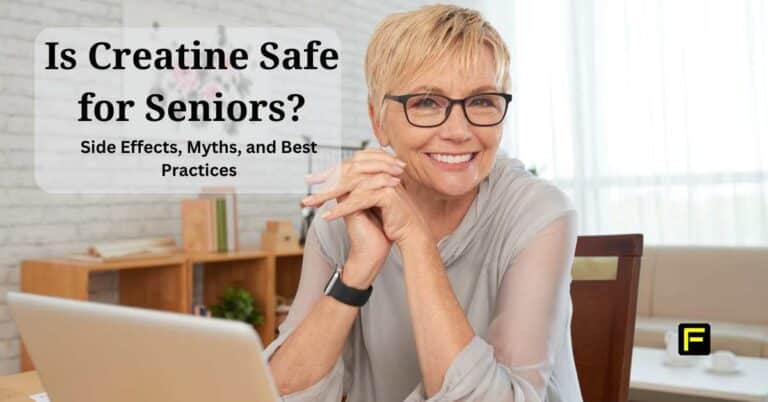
x=36, y=224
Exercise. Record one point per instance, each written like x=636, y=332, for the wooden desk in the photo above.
x=167, y=283
x=18, y=387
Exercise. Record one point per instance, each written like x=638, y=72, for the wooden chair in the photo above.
x=604, y=305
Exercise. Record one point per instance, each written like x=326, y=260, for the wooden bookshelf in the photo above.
x=287, y=281
x=253, y=270
x=167, y=283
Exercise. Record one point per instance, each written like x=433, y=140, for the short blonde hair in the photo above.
x=406, y=44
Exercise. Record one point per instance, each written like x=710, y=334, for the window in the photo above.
x=653, y=116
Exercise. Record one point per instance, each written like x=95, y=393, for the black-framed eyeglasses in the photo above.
x=431, y=110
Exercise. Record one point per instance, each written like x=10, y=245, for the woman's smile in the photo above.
x=452, y=160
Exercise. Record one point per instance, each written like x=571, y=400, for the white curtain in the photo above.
x=652, y=115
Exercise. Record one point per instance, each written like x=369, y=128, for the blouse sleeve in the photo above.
x=530, y=326
x=316, y=268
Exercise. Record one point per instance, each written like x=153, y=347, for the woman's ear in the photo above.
x=377, y=131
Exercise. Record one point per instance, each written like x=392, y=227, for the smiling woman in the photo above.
x=483, y=248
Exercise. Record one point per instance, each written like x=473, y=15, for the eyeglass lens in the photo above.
x=432, y=110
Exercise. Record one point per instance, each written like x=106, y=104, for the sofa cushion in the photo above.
x=710, y=283
x=742, y=339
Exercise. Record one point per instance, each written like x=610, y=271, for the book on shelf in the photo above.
x=197, y=216
x=221, y=224
x=209, y=223
x=126, y=250
x=231, y=214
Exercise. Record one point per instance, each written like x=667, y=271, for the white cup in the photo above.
x=670, y=339
x=723, y=360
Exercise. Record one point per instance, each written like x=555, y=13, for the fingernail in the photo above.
x=326, y=214
x=401, y=163
x=394, y=181
x=307, y=199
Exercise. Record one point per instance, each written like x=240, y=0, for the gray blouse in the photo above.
x=509, y=262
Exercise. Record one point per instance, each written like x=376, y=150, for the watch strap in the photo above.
x=347, y=294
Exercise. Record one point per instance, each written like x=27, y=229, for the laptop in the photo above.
x=92, y=352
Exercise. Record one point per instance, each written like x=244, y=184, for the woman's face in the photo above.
x=453, y=158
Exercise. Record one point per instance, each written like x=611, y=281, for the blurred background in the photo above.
x=651, y=115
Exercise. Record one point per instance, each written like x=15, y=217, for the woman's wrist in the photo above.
x=416, y=237
x=359, y=273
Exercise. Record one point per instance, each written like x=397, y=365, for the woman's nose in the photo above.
x=456, y=128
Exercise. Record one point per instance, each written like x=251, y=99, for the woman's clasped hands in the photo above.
x=375, y=206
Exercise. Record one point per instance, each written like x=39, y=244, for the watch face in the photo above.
x=331, y=281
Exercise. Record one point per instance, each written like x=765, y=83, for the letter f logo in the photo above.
x=693, y=339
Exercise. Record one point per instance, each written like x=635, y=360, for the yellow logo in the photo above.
x=693, y=339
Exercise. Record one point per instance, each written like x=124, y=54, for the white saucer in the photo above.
x=680, y=362
x=733, y=370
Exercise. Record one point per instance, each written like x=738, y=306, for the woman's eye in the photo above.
x=426, y=103
x=481, y=102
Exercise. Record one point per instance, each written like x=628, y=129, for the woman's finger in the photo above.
x=357, y=201
x=377, y=153
x=345, y=177
x=362, y=183
x=378, y=181
x=335, y=192
x=372, y=166
x=359, y=165
x=321, y=177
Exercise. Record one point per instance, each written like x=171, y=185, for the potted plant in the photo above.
x=237, y=304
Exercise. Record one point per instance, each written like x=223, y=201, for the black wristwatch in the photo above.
x=345, y=294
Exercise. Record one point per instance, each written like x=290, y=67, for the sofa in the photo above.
x=725, y=286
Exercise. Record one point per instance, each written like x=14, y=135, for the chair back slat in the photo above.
x=603, y=323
